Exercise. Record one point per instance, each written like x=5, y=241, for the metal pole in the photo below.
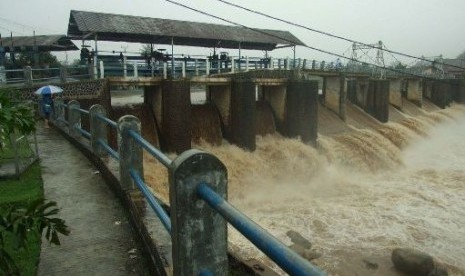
x=294, y=55
x=95, y=58
x=172, y=57
x=287, y=259
x=35, y=50
x=239, y=55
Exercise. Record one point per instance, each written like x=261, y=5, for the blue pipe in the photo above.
x=287, y=259
x=109, y=122
x=79, y=109
x=162, y=215
x=150, y=149
x=84, y=133
x=111, y=151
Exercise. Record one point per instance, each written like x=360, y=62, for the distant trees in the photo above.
x=28, y=58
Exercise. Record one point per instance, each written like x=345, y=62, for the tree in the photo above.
x=45, y=59
x=18, y=222
x=146, y=50
x=19, y=117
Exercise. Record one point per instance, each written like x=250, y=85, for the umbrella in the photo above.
x=48, y=89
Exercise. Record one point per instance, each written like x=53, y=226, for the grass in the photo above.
x=21, y=192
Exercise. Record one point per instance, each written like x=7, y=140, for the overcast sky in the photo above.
x=417, y=27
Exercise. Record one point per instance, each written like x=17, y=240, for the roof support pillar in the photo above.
x=95, y=58
x=239, y=56
x=172, y=58
x=293, y=48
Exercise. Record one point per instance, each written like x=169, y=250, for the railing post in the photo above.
x=136, y=72
x=98, y=129
x=196, y=67
x=165, y=70
x=102, y=69
x=125, y=67
x=288, y=65
x=129, y=152
x=207, y=67
x=246, y=64
x=28, y=75
x=183, y=64
x=305, y=63
x=152, y=67
x=233, y=64
x=59, y=112
x=95, y=71
x=199, y=234
x=74, y=118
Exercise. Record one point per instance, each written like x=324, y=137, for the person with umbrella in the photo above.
x=46, y=102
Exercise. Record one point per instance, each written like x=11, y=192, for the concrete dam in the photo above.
x=327, y=157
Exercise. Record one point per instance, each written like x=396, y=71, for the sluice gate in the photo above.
x=239, y=106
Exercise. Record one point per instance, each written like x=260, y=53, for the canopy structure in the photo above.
x=113, y=27
x=43, y=43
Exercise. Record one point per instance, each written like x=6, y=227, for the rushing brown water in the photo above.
x=363, y=192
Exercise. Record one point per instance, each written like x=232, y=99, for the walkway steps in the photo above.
x=101, y=239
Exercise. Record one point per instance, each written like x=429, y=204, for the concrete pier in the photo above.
x=176, y=122
x=395, y=92
x=377, y=101
x=335, y=93
x=302, y=110
x=243, y=114
x=415, y=91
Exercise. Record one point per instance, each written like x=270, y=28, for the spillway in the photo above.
x=365, y=190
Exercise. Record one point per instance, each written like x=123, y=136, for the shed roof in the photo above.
x=114, y=27
x=454, y=65
x=44, y=43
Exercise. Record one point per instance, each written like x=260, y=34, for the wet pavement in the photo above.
x=101, y=240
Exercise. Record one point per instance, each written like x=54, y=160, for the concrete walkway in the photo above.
x=101, y=239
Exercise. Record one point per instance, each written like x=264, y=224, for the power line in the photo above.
x=332, y=35
x=33, y=28
x=285, y=39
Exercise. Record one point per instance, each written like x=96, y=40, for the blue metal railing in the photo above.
x=161, y=213
x=113, y=153
x=101, y=142
x=84, y=133
x=109, y=122
x=150, y=149
x=83, y=111
x=286, y=258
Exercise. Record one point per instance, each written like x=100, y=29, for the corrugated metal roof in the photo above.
x=43, y=43
x=451, y=65
x=114, y=27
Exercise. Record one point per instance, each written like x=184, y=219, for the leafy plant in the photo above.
x=18, y=222
x=14, y=117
